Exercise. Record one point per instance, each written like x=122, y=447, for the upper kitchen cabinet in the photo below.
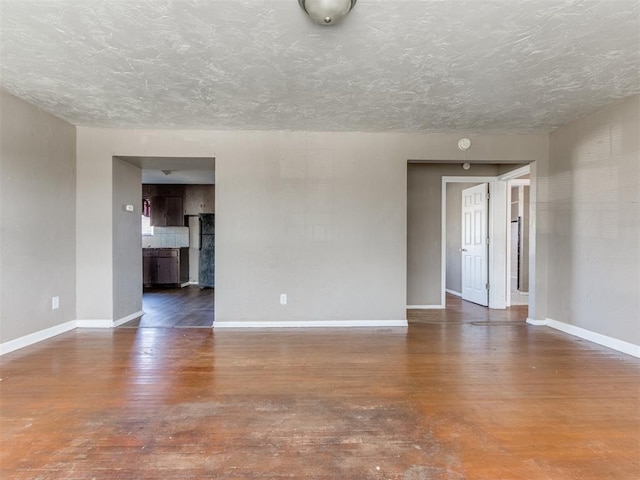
x=166, y=204
x=167, y=212
x=199, y=199
x=162, y=190
x=170, y=203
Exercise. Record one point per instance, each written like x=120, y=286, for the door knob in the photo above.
x=463, y=249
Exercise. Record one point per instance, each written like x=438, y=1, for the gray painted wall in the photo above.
x=319, y=216
x=591, y=222
x=539, y=242
x=127, y=250
x=424, y=227
x=37, y=219
x=584, y=257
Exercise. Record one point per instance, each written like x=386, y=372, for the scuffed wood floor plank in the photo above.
x=466, y=393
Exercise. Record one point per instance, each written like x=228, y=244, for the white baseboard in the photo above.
x=425, y=307
x=128, y=318
x=453, y=292
x=47, y=333
x=97, y=323
x=604, y=340
x=536, y=323
x=36, y=337
x=312, y=324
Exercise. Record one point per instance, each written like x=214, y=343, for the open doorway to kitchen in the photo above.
x=175, y=241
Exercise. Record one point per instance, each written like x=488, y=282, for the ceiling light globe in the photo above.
x=327, y=12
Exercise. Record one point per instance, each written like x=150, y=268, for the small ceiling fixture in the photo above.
x=464, y=144
x=327, y=12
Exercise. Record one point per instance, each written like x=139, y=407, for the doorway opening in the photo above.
x=428, y=253
x=176, y=278
x=472, y=240
x=519, y=245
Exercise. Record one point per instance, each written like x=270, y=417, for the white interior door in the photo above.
x=475, y=247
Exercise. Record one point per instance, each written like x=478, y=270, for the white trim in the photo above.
x=425, y=307
x=97, y=323
x=453, y=292
x=185, y=284
x=516, y=173
x=47, y=333
x=128, y=318
x=536, y=323
x=36, y=337
x=598, y=338
x=498, y=233
x=311, y=324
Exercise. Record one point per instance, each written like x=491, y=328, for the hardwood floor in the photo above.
x=187, y=307
x=466, y=393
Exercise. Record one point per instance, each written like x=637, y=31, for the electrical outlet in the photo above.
x=55, y=303
x=283, y=299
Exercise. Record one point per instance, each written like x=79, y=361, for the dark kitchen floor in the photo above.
x=188, y=307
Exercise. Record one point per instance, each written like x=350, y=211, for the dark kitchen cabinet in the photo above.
x=165, y=266
x=199, y=199
x=162, y=190
x=167, y=211
x=168, y=269
x=148, y=267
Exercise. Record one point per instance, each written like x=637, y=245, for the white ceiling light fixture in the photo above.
x=327, y=12
x=464, y=144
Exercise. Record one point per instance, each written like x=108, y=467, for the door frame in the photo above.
x=497, y=231
x=512, y=179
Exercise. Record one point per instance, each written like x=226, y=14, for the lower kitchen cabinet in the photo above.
x=165, y=266
x=166, y=211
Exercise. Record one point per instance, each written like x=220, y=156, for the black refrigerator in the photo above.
x=207, y=250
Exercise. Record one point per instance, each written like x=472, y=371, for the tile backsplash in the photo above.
x=167, y=237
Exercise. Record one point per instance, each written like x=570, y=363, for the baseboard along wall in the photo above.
x=47, y=333
x=598, y=338
x=36, y=337
x=128, y=318
x=30, y=339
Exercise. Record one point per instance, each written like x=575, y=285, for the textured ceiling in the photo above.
x=503, y=66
